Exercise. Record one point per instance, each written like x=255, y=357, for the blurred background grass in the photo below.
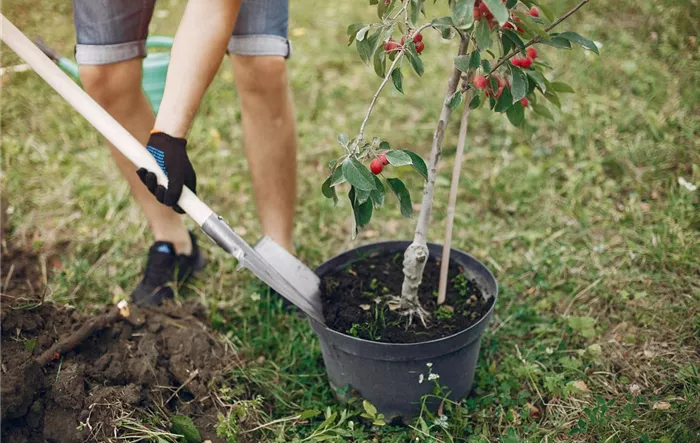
x=582, y=217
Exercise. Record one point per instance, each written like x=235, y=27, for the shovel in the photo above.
x=268, y=261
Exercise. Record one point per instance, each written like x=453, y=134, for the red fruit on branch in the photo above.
x=477, y=14
x=480, y=82
x=524, y=101
x=376, y=166
x=382, y=157
x=485, y=11
x=533, y=12
x=419, y=47
x=508, y=25
x=532, y=53
x=523, y=62
x=418, y=38
x=391, y=45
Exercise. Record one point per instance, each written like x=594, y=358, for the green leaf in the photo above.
x=474, y=59
x=415, y=8
x=361, y=196
x=337, y=176
x=456, y=100
x=520, y=85
x=546, y=11
x=462, y=63
x=553, y=98
x=418, y=163
x=483, y=35
x=329, y=191
x=30, y=344
x=369, y=408
x=362, y=33
x=352, y=31
x=529, y=24
x=183, y=425
x=309, y=413
x=486, y=65
x=516, y=114
x=538, y=79
x=380, y=63
x=357, y=174
x=476, y=101
x=384, y=145
x=398, y=158
x=343, y=139
x=542, y=110
x=414, y=59
x=444, y=25
x=510, y=4
x=579, y=40
x=364, y=213
x=402, y=194
x=367, y=46
x=561, y=87
x=514, y=39
x=557, y=42
x=498, y=10
x=397, y=79
x=378, y=193
x=463, y=12
x=504, y=101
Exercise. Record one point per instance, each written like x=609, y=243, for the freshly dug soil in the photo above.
x=133, y=364
x=354, y=301
x=161, y=361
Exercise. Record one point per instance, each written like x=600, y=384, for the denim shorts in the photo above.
x=110, y=31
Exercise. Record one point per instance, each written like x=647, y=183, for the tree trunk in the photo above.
x=416, y=254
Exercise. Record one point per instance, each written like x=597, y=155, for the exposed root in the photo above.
x=408, y=309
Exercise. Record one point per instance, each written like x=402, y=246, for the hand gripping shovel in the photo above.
x=267, y=260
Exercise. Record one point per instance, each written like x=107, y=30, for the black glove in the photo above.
x=171, y=155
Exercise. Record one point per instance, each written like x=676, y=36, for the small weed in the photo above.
x=444, y=312
x=354, y=330
x=30, y=344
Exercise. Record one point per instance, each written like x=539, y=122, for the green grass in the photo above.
x=593, y=241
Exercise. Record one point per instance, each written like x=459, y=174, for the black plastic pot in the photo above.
x=387, y=374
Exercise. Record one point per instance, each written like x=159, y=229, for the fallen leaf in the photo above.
x=440, y=408
x=365, y=307
x=581, y=386
x=635, y=389
x=661, y=405
x=298, y=32
x=535, y=412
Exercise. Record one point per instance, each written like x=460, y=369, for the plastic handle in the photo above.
x=93, y=113
x=158, y=41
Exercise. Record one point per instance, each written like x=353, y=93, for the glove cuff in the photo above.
x=160, y=139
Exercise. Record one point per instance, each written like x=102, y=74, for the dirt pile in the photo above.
x=161, y=362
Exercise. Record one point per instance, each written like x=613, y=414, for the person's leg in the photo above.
x=258, y=51
x=117, y=88
x=110, y=61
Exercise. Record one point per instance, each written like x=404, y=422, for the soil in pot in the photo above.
x=354, y=301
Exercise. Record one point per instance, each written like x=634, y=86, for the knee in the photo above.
x=260, y=75
x=114, y=84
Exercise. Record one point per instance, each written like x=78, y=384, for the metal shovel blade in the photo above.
x=272, y=264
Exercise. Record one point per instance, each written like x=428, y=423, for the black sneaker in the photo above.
x=163, y=269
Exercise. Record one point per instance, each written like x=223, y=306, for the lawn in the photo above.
x=584, y=220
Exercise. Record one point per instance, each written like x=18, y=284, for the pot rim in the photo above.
x=484, y=318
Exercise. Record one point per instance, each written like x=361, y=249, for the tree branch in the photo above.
x=361, y=135
x=533, y=41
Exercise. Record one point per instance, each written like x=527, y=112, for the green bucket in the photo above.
x=155, y=66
